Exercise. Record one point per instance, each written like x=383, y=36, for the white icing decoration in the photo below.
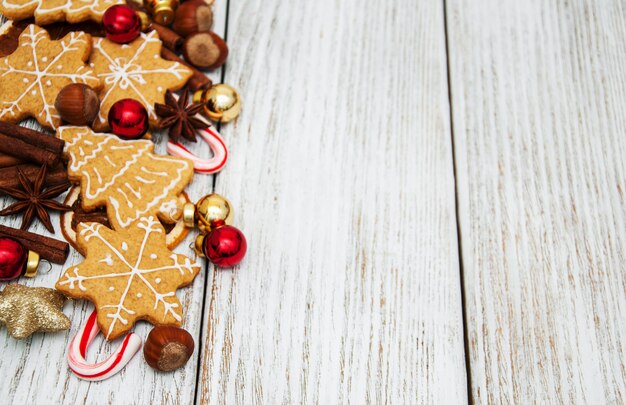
x=123, y=187
x=124, y=246
x=40, y=73
x=108, y=260
x=111, y=288
x=72, y=9
x=153, y=256
x=137, y=272
x=109, y=161
x=130, y=75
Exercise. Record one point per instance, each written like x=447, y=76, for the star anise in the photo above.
x=178, y=116
x=35, y=199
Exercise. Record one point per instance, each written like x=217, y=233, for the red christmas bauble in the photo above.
x=121, y=24
x=225, y=246
x=128, y=119
x=13, y=258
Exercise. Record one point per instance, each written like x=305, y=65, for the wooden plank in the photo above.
x=35, y=370
x=341, y=171
x=539, y=128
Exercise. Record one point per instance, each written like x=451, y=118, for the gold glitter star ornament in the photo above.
x=26, y=310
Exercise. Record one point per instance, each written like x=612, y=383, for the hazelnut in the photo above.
x=192, y=17
x=77, y=104
x=205, y=50
x=168, y=348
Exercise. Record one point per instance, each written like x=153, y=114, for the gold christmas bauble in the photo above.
x=213, y=211
x=222, y=103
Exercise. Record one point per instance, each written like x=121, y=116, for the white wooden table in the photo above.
x=433, y=195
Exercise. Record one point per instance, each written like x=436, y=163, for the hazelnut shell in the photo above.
x=77, y=104
x=192, y=17
x=205, y=50
x=168, y=348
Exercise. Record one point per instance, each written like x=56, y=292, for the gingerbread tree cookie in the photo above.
x=32, y=76
x=129, y=275
x=127, y=177
x=49, y=11
x=134, y=70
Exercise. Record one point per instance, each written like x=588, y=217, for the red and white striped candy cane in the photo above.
x=107, y=368
x=208, y=166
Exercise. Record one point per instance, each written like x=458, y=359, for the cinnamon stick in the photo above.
x=28, y=144
x=198, y=80
x=53, y=250
x=9, y=178
x=7, y=160
x=170, y=39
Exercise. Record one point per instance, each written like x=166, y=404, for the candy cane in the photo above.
x=215, y=141
x=109, y=367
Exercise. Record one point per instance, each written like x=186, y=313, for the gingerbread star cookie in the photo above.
x=49, y=11
x=129, y=275
x=135, y=70
x=32, y=76
x=127, y=177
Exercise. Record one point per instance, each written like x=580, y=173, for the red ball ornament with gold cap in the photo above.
x=121, y=24
x=220, y=242
x=16, y=260
x=128, y=119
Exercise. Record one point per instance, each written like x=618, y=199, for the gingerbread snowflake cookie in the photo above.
x=129, y=275
x=49, y=11
x=32, y=76
x=127, y=177
x=70, y=220
x=134, y=70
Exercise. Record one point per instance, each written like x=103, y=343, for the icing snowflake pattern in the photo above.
x=134, y=70
x=30, y=79
x=127, y=177
x=48, y=11
x=129, y=275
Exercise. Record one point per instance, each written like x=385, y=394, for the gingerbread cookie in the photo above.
x=135, y=70
x=129, y=275
x=125, y=176
x=32, y=76
x=70, y=220
x=49, y=11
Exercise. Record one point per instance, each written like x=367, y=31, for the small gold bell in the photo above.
x=162, y=10
x=211, y=211
x=222, y=103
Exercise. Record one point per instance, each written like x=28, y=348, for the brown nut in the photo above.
x=168, y=348
x=77, y=104
x=205, y=50
x=192, y=17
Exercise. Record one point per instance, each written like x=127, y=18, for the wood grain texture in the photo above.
x=35, y=370
x=540, y=133
x=341, y=171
